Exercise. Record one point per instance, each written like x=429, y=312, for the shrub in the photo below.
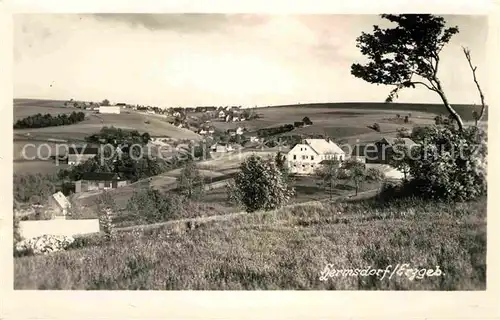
x=152, y=205
x=106, y=224
x=376, y=127
x=190, y=181
x=374, y=174
x=260, y=185
x=449, y=163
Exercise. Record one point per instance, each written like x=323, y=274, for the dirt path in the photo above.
x=225, y=217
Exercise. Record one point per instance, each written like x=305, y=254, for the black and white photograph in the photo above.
x=250, y=151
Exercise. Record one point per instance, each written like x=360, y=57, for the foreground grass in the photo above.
x=284, y=249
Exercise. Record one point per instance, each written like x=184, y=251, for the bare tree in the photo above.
x=479, y=116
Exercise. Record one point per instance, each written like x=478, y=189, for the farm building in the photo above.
x=59, y=204
x=77, y=155
x=92, y=181
x=305, y=157
x=382, y=150
x=220, y=147
x=109, y=109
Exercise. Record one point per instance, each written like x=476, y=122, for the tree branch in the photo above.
x=481, y=95
x=424, y=84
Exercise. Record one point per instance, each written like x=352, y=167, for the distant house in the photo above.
x=77, y=155
x=382, y=152
x=305, y=158
x=211, y=130
x=231, y=132
x=236, y=119
x=109, y=109
x=176, y=114
x=59, y=204
x=239, y=130
x=253, y=139
x=221, y=147
x=92, y=181
x=222, y=114
x=121, y=104
x=229, y=118
x=202, y=131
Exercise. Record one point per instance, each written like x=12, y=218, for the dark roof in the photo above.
x=100, y=176
x=83, y=150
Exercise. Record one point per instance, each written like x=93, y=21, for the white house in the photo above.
x=222, y=114
x=109, y=109
x=176, y=114
x=221, y=147
x=228, y=118
x=236, y=119
x=239, y=131
x=305, y=157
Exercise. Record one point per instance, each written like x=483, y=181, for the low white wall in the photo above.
x=32, y=229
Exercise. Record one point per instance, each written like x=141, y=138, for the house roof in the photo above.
x=100, y=176
x=83, y=150
x=322, y=146
x=392, y=140
x=61, y=200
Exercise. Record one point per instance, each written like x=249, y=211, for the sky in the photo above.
x=171, y=60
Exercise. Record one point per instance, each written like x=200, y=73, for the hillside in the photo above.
x=287, y=249
x=464, y=110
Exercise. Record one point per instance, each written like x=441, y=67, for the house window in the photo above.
x=312, y=157
x=294, y=157
x=107, y=184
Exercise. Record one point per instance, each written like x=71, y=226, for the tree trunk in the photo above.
x=450, y=109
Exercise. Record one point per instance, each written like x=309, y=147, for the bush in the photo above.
x=260, y=185
x=152, y=205
x=374, y=174
x=449, y=163
x=376, y=127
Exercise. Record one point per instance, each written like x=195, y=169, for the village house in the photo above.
x=92, y=181
x=383, y=149
x=236, y=118
x=211, y=130
x=221, y=147
x=77, y=155
x=202, y=131
x=222, y=114
x=305, y=157
x=176, y=114
x=58, y=205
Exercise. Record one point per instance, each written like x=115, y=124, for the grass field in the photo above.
x=28, y=107
x=285, y=249
x=464, y=110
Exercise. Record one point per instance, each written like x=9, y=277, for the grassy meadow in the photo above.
x=284, y=249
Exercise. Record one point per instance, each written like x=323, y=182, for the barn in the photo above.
x=109, y=109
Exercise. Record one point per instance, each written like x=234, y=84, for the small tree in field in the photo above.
x=105, y=102
x=400, y=157
x=329, y=174
x=190, y=181
x=407, y=55
x=357, y=173
x=260, y=185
